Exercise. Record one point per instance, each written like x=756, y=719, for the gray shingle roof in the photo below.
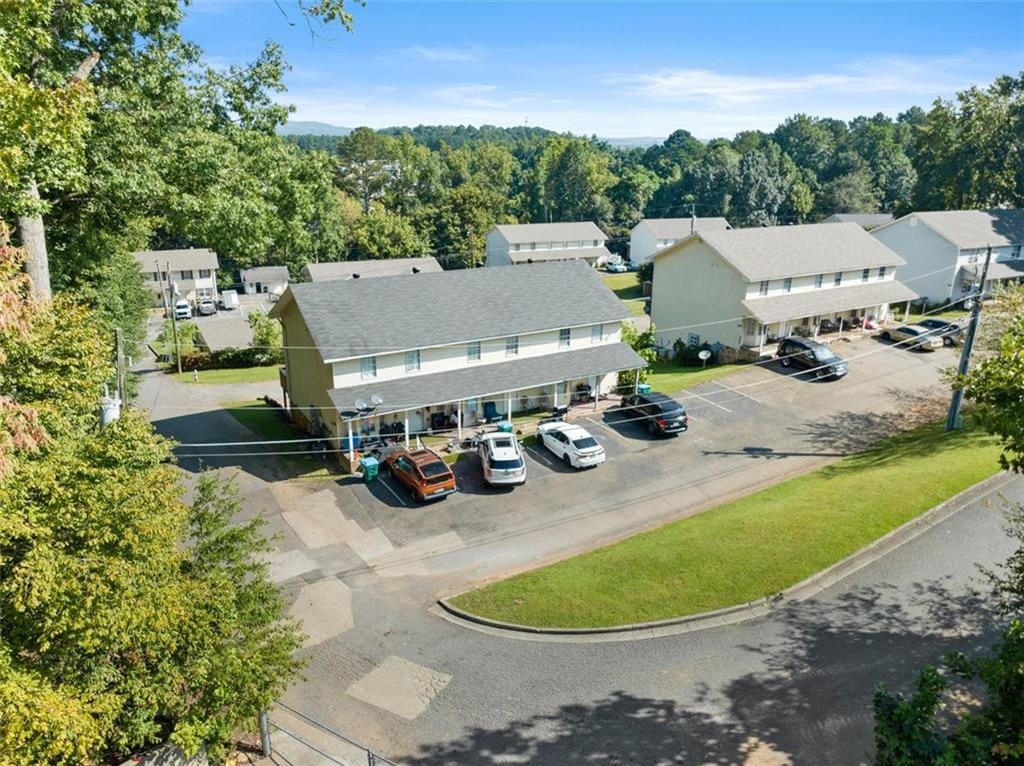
x=569, y=253
x=774, y=252
x=489, y=379
x=385, y=267
x=976, y=228
x=864, y=220
x=1003, y=269
x=226, y=330
x=358, y=317
x=550, y=232
x=267, y=274
x=190, y=258
x=677, y=228
x=776, y=308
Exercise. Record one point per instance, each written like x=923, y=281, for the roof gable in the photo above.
x=571, y=231
x=973, y=228
x=184, y=259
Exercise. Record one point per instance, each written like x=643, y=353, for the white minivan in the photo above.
x=502, y=459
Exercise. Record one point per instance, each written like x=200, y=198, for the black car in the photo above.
x=661, y=414
x=951, y=332
x=811, y=355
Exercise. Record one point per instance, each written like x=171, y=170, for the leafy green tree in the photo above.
x=381, y=234
x=574, y=177
x=643, y=344
x=266, y=338
x=849, y=193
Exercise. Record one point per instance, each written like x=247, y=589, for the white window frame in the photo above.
x=882, y=271
x=565, y=337
x=473, y=351
x=512, y=345
x=368, y=368
x=412, y=360
x=865, y=275
x=819, y=280
x=185, y=272
x=838, y=280
x=787, y=285
x=597, y=333
x=204, y=273
x=762, y=289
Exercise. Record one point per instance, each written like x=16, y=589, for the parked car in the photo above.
x=810, y=355
x=206, y=307
x=423, y=472
x=616, y=267
x=913, y=336
x=182, y=310
x=661, y=414
x=572, y=443
x=502, y=459
x=229, y=299
x=951, y=331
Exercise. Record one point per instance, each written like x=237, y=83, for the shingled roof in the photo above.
x=358, y=317
x=188, y=259
x=381, y=267
x=974, y=228
x=677, y=228
x=571, y=231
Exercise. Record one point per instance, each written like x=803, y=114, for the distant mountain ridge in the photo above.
x=313, y=128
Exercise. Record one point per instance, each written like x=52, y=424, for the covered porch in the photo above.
x=1000, y=273
x=815, y=313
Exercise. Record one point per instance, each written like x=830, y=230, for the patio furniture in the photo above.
x=491, y=413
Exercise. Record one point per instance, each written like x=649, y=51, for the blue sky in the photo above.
x=619, y=69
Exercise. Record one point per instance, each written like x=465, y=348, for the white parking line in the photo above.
x=609, y=429
x=736, y=391
x=387, y=485
x=537, y=456
x=714, y=404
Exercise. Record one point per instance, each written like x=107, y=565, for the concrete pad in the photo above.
x=325, y=610
x=400, y=687
x=369, y=544
x=284, y=565
x=318, y=522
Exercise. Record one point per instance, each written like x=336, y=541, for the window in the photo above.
x=533, y=245
x=516, y=247
x=156, y=276
x=512, y=345
x=839, y=279
x=787, y=284
x=596, y=333
x=564, y=337
x=881, y=272
x=595, y=244
x=369, y=367
x=1015, y=252
x=204, y=273
x=763, y=290
x=819, y=280
x=865, y=275
x=412, y=361
x=186, y=273
x=473, y=351
x=693, y=340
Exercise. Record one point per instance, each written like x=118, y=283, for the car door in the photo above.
x=405, y=472
x=561, y=444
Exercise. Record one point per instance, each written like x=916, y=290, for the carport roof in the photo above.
x=483, y=380
x=777, y=308
x=1004, y=269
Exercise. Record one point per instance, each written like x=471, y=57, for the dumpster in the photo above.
x=505, y=426
x=370, y=466
x=643, y=388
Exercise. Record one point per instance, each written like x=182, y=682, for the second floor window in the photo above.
x=156, y=276
x=473, y=352
x=564, y=337
x=864, y=275
x=186, y=274
x=763, y=289
x=1015, y=252
x=412, y=361
x=516, y=247
x=368, y=367
x=839, y=279
x=512, y=345
x=881, y=272
x=819, y=280
x=204, y=273
x=787, y=284
x=596, y=333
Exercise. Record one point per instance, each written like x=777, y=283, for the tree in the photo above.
x=849, y=193
x=380, y=234
x=574, y=177
x=643, y=344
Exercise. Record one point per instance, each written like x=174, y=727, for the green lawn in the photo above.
x=669, y=378
x=624, y=286
x=751, y=548
x=239, y=375
x=266, y=424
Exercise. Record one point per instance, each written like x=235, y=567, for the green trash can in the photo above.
x=371, y=467
x=505, y=426
x=643, y=388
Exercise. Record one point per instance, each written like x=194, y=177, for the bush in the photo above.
x=688, y=356
x=229, y=358
x=645, y=272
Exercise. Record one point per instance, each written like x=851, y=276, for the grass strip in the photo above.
x=750, y=548
x=268, y=374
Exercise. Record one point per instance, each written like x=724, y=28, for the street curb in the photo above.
x=801, y=591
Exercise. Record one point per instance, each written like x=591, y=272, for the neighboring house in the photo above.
x=226, y=330
x=654, y=234
x=410, y=354
x=866, y=221
x=746, y=288
x=192, y=273
x=384, y=267
x=945, y=251
x=522, y=243
x=265, y=279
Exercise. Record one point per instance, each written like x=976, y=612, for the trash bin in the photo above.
x=505, y=426
x=643, y=388
x=370, y=466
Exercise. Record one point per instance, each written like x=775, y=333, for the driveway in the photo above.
x=361, y=565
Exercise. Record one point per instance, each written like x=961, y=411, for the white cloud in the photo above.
x=431, y=53
x=468, y=95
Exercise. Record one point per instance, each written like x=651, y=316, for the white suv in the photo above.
x=182, y=310
x=502, y=459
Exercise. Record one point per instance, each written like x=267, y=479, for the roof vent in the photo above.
x=415, y=269
x=355, y=275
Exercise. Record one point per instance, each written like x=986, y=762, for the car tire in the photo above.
x=652, y=427
x=566, y=459
x=886, y=335
x=786, y=361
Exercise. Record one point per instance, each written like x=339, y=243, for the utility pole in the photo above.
x=174, y=317
x=160, y=281
x=119, y=363
x=953, y=419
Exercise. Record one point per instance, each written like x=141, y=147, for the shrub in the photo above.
x=645, y=272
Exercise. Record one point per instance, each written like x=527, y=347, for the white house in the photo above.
x=265, y=279
x=945, y=250
x=192, y=273
x=411, y=354
x=745, y=288
x=521, y=243
x=382, y=267
x=654, y=234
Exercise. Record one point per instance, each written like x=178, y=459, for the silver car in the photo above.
x=502, y=459
x=914, y=336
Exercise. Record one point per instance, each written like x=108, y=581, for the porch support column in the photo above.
x=636, y=380
x=351, y=447
x=407, y=429
x=906, y=314
x=458, y=419
x=555, y=405
x=508, y=406
x=597, y=393
x=762, y=336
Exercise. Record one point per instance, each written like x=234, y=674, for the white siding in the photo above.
x=925, y=252
x=805, y=283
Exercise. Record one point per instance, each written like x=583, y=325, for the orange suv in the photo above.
x=423, y=471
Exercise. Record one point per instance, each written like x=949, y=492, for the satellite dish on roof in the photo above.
x=377, y=400
x=360, y=404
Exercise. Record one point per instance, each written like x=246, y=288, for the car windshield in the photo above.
x=825, y=355
x=505, y=465
x=433, y=469
x=670, y=409
x=587, y=442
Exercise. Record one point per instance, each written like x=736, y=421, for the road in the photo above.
x=362, y=567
